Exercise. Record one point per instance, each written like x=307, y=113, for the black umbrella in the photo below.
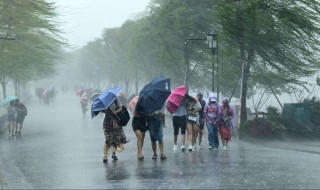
x=153, y=95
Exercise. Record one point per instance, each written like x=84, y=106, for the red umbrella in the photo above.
x=133, y=102
x=175, y=98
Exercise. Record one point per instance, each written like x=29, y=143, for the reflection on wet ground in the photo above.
x=60, y=149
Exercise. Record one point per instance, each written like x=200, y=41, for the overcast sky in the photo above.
x=84, y=20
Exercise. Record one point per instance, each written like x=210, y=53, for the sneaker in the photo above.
x=175, y=147
x=183, y=148
x=199, y=146
x=215, y=148
x=190, y=148
x=210, y=147
x=194, y=146
x=224, y=148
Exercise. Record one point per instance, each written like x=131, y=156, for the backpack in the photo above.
x=123, y=116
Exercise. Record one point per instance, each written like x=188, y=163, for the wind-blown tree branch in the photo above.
x=33, y=24
x=282, y=35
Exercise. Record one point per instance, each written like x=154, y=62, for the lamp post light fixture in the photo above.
x=212, y=40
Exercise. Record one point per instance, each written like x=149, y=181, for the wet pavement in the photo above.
x=60, y=149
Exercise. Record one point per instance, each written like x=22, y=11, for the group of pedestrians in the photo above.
x=16, y=112
x=193, y=115
x=191, y=118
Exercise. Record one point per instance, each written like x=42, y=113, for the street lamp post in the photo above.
x=212, y=40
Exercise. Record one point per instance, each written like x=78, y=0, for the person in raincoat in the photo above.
x=114, y=134
x=226, y=116
x=211, y=112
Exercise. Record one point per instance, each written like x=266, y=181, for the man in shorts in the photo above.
x=156, y=123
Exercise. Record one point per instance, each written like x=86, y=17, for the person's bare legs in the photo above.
x=105, y=151
x=183, y=139
x=189, y=138
x=195, y=130
x=154, y=147
x=175, y=137
x=140, y=139
x=161, y=148
x=200, y=136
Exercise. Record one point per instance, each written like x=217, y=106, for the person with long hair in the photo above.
x=193, y=108
x=139, y=126
x=201, y=119
x=226, y=116
x=114, y=134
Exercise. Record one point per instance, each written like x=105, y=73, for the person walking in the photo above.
x=201, y=119
x=114, y=134
x=226, y=116
x=139, y=126
x=21, y=114
x=194, y=107
x=211, y=112
x=84, y=102
x=156, y=123
x=11, y=111
x=179, y=121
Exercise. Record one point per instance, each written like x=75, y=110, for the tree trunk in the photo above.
x=244, y=85
x=4, y=86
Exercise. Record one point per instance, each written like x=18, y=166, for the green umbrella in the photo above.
x=8, y=99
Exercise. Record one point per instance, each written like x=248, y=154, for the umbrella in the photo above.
x=104, y=100
x=94, y=96
x=8, y=99
x=175, y=98
x=153, y=95
x=133, y=102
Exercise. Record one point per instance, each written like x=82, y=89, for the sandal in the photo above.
x=114, y=157
x=140, y=157
x=154, y=157
x=163, y=156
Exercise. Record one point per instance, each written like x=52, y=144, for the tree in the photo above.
x=278, y=36
x=32, y=23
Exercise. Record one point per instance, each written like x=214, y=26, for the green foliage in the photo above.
x=314, y=103
x=37, y=46
x=277, y=121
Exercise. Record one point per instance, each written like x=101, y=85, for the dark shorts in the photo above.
x=20, y=118
x=179, y=122
x=139, y=123
x=155, y=129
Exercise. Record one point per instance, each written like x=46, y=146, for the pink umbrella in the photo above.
x=133, y=102
x=175, y=98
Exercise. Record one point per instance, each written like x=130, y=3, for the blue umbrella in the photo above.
x=104, y=100
x=153, y=95
x=8, y=99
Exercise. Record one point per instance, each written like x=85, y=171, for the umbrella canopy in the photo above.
x=104, y=100
x=8, y=99
x=94, y=96
x=175, y=98
x=153, y=95
x=133, y=102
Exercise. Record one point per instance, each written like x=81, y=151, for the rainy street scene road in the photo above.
x=159, y=94
x=59, y=149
